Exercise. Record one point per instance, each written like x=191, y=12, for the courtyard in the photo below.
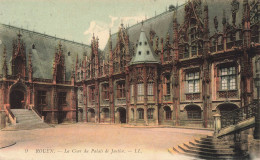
x=91, y=142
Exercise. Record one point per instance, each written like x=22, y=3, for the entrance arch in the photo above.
x=226, y=107
x=17, y=96
x=122, y=115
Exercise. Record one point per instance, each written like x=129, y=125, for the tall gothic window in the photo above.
x=150, y=113
x=228, y=78
x=192, y=82
x=168, y=85
x=121, y=90
x=150, y=94
x=140, y=92
x=92, y=94
x=140, y=113
x=105, y=91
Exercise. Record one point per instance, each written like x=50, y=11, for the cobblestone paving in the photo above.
x=95, y=142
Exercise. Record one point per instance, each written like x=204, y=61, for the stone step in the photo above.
x=177, y=150
x=204, y=153
x=214, y=143
x=211, y=150
x=194, y=143
x=26, y=119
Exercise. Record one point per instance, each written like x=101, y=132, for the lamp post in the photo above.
x=257, y=114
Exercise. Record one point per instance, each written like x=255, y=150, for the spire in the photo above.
x=144, y=52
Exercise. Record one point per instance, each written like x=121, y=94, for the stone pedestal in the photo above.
x=217, y=123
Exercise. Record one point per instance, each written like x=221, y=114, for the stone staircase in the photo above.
x=208, y=148
x=26, y=120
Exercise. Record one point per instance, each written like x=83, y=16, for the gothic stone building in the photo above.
x=178, y=68
x=37, y=72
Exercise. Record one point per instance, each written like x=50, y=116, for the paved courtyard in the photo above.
x=91, y=142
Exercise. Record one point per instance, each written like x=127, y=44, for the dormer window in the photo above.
x=139, y=52
x=145, y=43
x=140, y=43
x=148, y=52
x=33, y=46
x=69, y=53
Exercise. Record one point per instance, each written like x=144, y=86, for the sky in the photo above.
x=78, y=19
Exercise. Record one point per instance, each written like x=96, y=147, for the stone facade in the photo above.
x=204, y=65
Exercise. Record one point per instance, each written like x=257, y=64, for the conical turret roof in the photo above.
x=144, y=52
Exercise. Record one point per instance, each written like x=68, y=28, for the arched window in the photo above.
x=150, y=113
x=92, y=112
x=226, y=108
x=140, y=113
x=193, y=112
x=106, y=112
x=168, y=113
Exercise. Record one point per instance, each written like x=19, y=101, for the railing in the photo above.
x=238, y=115
x=192, y=96
x=11, y=116
x=213, y=49
x=228, y=94
x=220, y=47
x=230, y=44
x=239, y=43
x=36, y=112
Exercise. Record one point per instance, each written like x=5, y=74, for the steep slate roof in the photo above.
x=43, y=54
x=144, y=52
x=162, y=24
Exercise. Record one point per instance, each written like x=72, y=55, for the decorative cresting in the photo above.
x=19, y=58
x=238, y=115
x=58, y=65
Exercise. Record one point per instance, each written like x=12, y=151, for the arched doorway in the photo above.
x=91, y=115
x=17, y=96
x=193, y=112
x=17, y=99
x=168, y=113
x=226, y=108
x=122, y=115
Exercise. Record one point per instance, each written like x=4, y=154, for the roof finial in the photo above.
x=19, y=34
